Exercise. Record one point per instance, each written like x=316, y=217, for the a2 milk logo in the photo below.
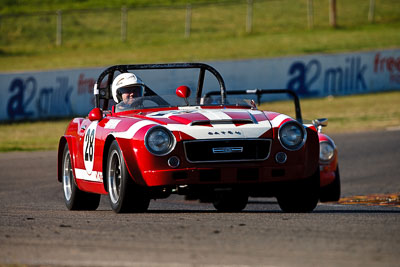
x=337, y=80
x=27, y=100
x=89, y=146
x=24, y=92
x=303, y=76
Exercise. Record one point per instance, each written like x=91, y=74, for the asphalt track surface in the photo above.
x=37, y=229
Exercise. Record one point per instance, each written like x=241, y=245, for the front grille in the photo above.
x=225, y=150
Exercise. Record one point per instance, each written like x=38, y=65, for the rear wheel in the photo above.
x=124, y=194
x=301, y=196
x=74, y=198
x=230, y=201
x=331, y=192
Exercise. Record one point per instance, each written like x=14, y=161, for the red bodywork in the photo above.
x=89, y=140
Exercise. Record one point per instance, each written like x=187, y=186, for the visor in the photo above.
x=137, y=90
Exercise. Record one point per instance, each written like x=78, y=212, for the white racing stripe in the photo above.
x=279, y=119
x=215, y=115
x=219, y=131
x=222, y=130
x=94, y=176
x=133, y=129
x=204, y=132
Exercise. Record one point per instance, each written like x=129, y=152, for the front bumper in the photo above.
x=223, y=175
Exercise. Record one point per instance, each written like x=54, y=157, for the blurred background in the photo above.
x=86, y=33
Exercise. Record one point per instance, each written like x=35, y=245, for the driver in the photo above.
x=125, y=88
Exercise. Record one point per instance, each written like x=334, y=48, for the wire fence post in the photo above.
x=310, y=14
x=249, y=18
x=332, y=13
x=124, y=23
x=59, y=28
x=371, y=11
x=188, y=21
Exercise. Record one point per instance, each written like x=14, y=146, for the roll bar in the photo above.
x=105, y=92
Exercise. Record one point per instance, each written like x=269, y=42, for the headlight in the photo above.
x=159, y=141
x=292, y=135
x=326, y=151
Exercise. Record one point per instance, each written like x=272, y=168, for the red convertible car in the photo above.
x=137, y=145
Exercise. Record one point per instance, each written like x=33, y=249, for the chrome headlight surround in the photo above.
x=159, y=141
x=326, y=151
x=292, y=135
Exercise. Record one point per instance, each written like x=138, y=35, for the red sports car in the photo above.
x=136, y=145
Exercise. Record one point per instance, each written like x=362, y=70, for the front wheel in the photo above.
x=124, y=194
x=74, y=198
x=300, y=196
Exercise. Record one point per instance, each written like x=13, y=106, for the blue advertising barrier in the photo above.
x=64, y=93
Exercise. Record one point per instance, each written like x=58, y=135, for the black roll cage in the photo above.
x=105, y=92
x=260, y=92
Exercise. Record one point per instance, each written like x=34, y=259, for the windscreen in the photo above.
x=148, y=102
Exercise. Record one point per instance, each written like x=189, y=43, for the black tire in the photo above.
x=230, y=201
x=74, y=198
x=125, y=196
x=301, y=196
x=332, y=191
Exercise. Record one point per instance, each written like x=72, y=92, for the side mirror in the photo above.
x=184, y=92
x=319, y=123
x=95, y=114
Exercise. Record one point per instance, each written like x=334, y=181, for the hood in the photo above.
x=201, y=123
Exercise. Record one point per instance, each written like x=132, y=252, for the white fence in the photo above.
x=65, y=93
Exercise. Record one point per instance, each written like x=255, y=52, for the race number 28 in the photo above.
x=89, y=139
x=89, y=146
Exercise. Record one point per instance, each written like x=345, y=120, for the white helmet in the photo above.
x=126, y=80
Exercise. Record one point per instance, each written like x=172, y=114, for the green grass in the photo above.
x=345, y=114
x=31, y=136
x=92, y=39
x=30, y=6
